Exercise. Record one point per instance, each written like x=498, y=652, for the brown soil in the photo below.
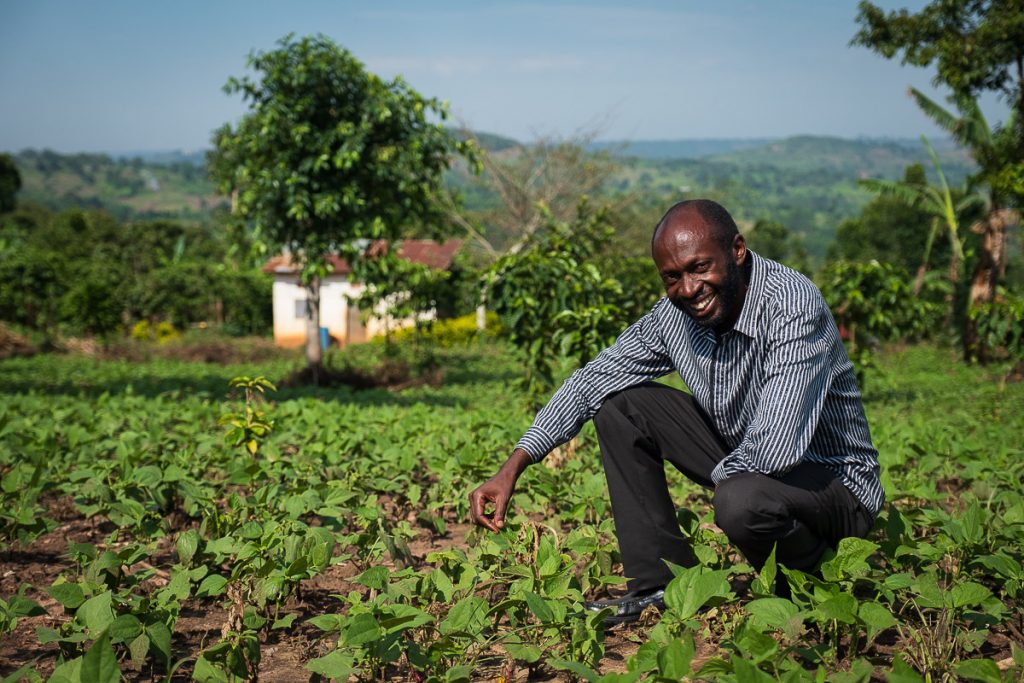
x=284, y=652
x=12, y=344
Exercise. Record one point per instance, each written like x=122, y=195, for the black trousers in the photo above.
x=804, y=511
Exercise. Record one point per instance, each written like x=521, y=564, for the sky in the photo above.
x=120, y=76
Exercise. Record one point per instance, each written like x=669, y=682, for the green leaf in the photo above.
x=850, y=560
x=138, y=649
x=160, y=640
x=284, y=622
x=969, y=594
x=124, y=628
x=523, y=652
x=327, y=622
x=777, y=613
x=747, y=672
x=674, y=659
x=764, y=584
x=100, y=663
x=876, y=617
x=581, y=670
x=70, y=595
x=539, y=607
x=187, y=545
x=336, y=665
x=979, y=670
x=841, y=607
x=374, y=577
x=468, y=615
x=903, y=673
x=208, y=672
x=96, y=613
x=362, y=628
x=212, y=585
x=694, y=588
x=68, y=672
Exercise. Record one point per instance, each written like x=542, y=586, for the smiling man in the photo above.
x=775, y=424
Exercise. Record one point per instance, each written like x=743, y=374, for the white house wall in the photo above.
x=289, y=317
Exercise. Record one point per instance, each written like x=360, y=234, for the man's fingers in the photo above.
x=477, y=500
x=500, y=505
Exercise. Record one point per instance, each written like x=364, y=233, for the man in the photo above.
x=775, y=423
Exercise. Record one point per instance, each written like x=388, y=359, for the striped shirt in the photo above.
x=778, y=387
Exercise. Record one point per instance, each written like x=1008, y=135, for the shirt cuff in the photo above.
x=718, y=475
x=537, y=443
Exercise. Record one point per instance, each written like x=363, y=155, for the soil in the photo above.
x=284, y=652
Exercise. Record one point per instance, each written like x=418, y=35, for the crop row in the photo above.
x=239, y=504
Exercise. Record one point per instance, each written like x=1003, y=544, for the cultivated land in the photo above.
x=341, y=546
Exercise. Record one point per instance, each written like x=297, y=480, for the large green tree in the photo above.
x=975, y=45
x=330, y=157
x=10, y=182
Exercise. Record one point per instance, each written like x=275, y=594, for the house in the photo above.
x=343, y=321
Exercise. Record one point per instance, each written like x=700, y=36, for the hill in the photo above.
x=130, y=189
x=808, y=183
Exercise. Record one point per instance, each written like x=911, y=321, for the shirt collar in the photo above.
x=747, y=322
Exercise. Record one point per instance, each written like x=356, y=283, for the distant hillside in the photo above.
x=127, y=188
x=858, y=158
x=676, y=149
x=808, y=183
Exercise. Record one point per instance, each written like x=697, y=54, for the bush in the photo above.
x=874, y=302
x=1000, y=325
x=448, y=333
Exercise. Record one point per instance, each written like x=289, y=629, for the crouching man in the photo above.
x=775, y=424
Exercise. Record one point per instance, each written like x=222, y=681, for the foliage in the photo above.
x=331, y=156
x=890, y=230
x=773, y=240
x=451, y=332
x=874, y=302
x=344, y=482
x=553, y=300
x=976, y=45
x=10, y=183
x=1000, y=325
x=81, y=272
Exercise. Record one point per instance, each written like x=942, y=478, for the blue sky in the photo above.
x=120, y=76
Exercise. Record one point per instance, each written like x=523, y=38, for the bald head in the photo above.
x=700, y=213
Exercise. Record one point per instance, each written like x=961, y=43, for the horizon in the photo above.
x=133, y=77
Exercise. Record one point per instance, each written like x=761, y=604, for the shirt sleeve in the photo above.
x=638, y=355
x=798, y=371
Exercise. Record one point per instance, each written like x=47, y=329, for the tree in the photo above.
x=889, y=230
x=534, y=184
x=773, y=240
x=976, y=45
x=331, y=157
x=970, y=128
x=947, y=209
x=10, y=183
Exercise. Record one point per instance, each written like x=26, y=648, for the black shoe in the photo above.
x=630, y=606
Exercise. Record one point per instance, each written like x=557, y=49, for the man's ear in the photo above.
x=739, y=249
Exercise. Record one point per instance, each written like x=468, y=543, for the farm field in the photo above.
x=157, y=525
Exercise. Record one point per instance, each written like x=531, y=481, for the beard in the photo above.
x=728, y=294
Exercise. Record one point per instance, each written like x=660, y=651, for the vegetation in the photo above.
x=329, y=158
x=162, y=518
x=159, y=523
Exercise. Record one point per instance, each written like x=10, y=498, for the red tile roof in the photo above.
x=427, y=252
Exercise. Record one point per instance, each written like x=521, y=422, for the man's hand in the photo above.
x=498, y=490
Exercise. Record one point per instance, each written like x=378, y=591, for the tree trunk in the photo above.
x=990, y=268
x=314, y=356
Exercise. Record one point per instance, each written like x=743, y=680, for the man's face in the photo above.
x=701, y=277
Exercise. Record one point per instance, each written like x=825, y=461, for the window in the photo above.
x=300, y=309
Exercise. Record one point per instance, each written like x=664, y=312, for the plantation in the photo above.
x=172, y=520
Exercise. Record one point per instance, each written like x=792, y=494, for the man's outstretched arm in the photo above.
x=498, y=490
